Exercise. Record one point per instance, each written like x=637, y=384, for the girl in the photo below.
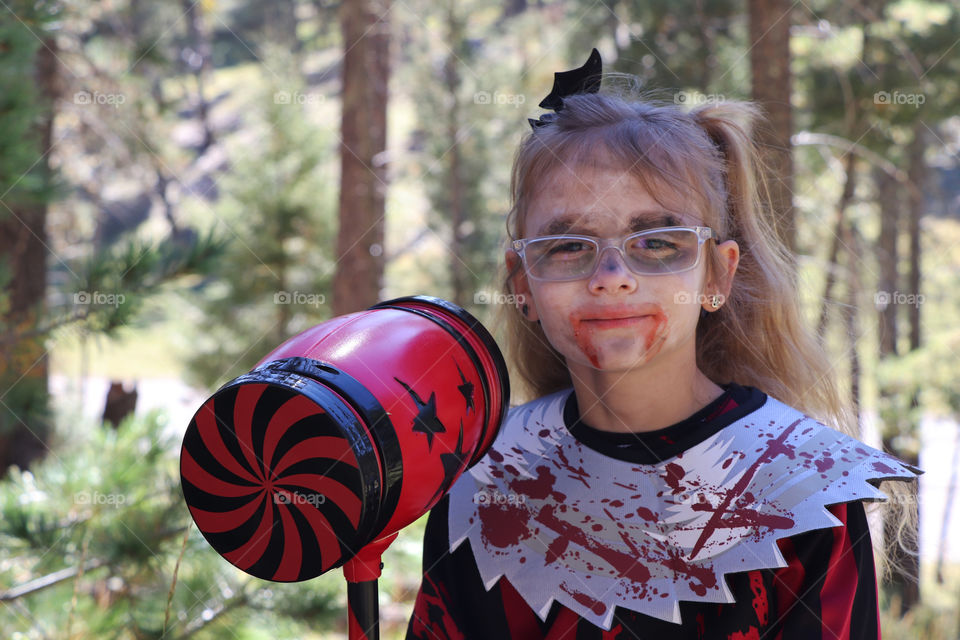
x=668, y=479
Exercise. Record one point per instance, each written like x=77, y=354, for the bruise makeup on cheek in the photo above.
x=650, y=329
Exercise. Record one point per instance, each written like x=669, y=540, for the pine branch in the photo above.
x=48, y=580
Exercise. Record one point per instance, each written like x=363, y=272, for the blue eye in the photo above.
x=570, y=246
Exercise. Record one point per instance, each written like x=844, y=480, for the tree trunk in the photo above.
x=887, y=292
x=198, y=61
x=458, y=272
x=849, y=185
x=366, y=41
x=771, y=89
x=904, y=582
x=24, y=430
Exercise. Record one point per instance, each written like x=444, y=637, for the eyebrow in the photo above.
x=639, y=222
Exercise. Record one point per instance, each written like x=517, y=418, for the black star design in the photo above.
x=426, y=420
x=466, y=389
x=452, y=463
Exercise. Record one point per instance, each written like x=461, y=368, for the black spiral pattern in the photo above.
x=273, y=481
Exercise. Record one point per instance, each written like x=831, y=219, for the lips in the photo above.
x=616, y=316
x=613, y=323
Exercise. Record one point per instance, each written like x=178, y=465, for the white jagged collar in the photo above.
x=564, y=522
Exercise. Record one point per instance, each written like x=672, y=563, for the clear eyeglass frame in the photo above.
x=620, y=244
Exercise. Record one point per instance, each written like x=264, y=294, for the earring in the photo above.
x=715, y=301
x=524, y=310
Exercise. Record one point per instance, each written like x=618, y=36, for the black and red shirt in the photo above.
x=828, y=590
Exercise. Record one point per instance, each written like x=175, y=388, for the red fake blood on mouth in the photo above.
x=503, y=525
x=584, y=341
x=651, y=331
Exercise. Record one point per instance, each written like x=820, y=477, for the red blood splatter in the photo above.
x=544, y=433
x=824, y=464
x=495, y=455
x=616, y=503
x=882, y=468
x=576, y=473
x=597, y=527
x=613, y=634
x=503, y=525
x=625, y=564
x=556, y=549
x=751, y=634
x=592, y=603
x=646, y=514
x=775, y=447
x=540, y=487
x=703, y=578
x=673, y=476
x=760, y=603
x=584, y=342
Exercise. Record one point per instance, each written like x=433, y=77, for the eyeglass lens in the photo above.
x=654, y=253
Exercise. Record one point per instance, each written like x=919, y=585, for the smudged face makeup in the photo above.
x=613, y=319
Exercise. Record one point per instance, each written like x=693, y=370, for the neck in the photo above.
x=642, y=399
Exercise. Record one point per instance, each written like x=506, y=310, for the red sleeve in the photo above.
x=829, y=588
x=435, y=609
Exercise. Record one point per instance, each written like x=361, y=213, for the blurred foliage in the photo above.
x=109, y=500
x=278, y=210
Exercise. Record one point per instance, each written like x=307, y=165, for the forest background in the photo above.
x=185, y=184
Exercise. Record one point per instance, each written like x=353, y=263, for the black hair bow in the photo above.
x=586, y=79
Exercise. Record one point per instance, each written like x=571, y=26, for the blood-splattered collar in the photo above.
x=564, y=522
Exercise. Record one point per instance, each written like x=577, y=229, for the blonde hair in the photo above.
x=758, y=337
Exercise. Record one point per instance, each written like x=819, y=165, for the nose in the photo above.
x=611, y=273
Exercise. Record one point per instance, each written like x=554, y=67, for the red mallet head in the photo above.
x=342, y=436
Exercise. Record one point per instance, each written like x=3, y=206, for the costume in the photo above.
x=672, y=533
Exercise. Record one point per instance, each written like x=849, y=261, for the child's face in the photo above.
x=614, y=319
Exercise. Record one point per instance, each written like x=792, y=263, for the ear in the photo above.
x=519, y=284
x=720, y=284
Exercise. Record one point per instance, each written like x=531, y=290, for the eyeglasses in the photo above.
x=651, y=252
